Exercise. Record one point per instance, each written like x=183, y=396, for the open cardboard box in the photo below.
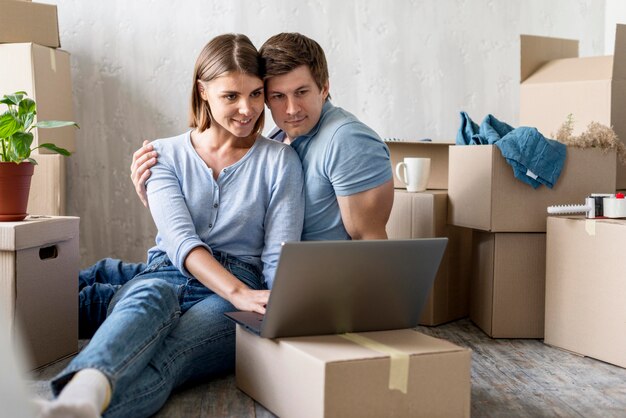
x=555, y=82
x=436, y=151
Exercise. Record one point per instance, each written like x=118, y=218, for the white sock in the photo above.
x=87, y=395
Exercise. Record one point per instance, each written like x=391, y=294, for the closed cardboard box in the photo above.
x=43, y=73
x=47, y=186
x=423, y=215
x=484, y=194
x=24, y=21
x=436, y=151
x=586, y=287
x=39, y=284
x=399, y=373
x=555, y=82
x=508, y=284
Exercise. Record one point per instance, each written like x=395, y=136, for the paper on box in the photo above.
x=332, y=376
x=436, y=151
x=484, y=193
x=39, y=284
x=44, y=73
x=423, y=215
x=555, y=82
x=586, y=287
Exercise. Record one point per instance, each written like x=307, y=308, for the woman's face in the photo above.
x=236, y=101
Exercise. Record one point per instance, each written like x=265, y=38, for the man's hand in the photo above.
x=143, y=159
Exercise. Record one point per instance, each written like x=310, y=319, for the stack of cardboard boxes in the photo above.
x=39, y=256
x=32, y=62
x=585, y=287
x=424, y=215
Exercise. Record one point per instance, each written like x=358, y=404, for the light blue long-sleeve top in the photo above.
x=254, y=205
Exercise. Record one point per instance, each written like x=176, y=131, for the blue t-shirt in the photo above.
x=340, y=156
x=256, y=204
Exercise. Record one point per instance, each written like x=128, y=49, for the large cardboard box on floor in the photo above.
x=555, y=82
x=423, y=215
x=436, y=151
x=24, y=21
x=39, y=284
x=400, y=373
x=484, y=193
x=43, y=73
x=586, y=287
x=47, y=186
x=508, y=284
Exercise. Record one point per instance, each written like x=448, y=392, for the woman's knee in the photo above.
x=149, y=295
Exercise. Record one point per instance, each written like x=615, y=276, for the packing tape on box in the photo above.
x=53, y=60
x=399, y=364
x=590, y=226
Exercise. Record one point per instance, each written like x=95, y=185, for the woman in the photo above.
x=223, y=199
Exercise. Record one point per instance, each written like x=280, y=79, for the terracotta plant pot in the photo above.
x=14, y=189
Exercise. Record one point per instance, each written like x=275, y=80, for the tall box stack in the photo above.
x=38, y=284
x=423, y=215
x=29, y=41
x=508, y=275
x=555, y=82
x=585, y=287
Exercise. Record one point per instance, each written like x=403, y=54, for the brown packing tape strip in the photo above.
x=399, y=361
x=53, y=60
x=590, y=227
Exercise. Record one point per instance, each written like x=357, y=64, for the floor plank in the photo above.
x=510, y=378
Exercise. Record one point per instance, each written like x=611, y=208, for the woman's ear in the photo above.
x=202, y=90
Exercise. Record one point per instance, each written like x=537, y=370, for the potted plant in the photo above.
x=16, y=164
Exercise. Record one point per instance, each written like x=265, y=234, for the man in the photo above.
x=348, y=178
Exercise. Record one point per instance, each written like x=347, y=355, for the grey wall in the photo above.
x=404, y=67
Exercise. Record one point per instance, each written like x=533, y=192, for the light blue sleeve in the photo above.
x=357, y=160
x=177, y=231
x=284, y=217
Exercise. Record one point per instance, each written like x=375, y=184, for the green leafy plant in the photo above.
x=16, y=125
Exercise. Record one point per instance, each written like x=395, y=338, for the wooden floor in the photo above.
x=510, y=378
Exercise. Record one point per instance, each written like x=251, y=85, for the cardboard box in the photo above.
x=47, y=187
x=436, y=151
x=484, y=194
x=39, y=284
x=586, y=287
x=332, y=376
x=555, y=83
x=508, y=284
x=24, y=21
x=43, y=73
x=423, y=215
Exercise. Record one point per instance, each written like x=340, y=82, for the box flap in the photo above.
x=619, y=61
x=573, y=69
x=407, y=341
x=537, y=50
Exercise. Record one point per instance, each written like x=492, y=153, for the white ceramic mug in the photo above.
x=414, y=172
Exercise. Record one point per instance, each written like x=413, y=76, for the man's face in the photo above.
x=295, y=101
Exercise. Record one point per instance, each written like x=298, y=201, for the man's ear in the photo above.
x=201, y=90
x=326, y=89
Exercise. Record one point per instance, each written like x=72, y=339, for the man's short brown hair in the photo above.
x=285, y=52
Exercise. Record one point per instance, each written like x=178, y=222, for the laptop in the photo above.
x=333, y=287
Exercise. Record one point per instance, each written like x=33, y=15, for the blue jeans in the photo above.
x=97, y=286
x=163, y=329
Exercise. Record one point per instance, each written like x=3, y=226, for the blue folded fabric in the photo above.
x=535, y=159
